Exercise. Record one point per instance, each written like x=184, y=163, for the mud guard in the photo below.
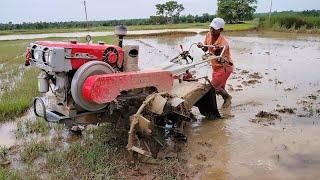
x=208, y=105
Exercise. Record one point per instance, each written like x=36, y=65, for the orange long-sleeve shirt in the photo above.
x=221, y=41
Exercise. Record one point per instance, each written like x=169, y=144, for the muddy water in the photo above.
x=8, y=129
x=234, y=147
x=7, y=136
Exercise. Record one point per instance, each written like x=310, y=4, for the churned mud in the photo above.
x=287, y=110
x=265, y=118
x=273, y=74
x=270, y=132
x=267, y=115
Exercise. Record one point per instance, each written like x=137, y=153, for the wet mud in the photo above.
x=287, y=110
x=272, y=74
x=263, y=114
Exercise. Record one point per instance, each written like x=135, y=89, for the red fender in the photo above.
x=105, y=88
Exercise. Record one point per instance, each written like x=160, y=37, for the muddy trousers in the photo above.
x=219, y=80
x=220, y=77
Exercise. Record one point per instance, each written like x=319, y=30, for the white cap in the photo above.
x=217, y=23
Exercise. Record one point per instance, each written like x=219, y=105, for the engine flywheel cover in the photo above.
x=86, y=70
x=112, y=58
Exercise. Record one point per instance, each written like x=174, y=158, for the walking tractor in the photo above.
x=88, y=83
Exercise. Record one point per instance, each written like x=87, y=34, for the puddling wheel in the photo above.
x=86, y=70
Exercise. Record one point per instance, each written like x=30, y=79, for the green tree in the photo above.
x=158, y=20
x=170, y=10
x=234, y=11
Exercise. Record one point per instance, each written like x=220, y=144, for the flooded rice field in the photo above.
x=272, y=129
x=84, y=34
x=271, y=75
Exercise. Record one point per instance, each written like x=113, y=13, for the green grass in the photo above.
x=27, y=127
x=170, y=169
x=33, y=150
x=18, y=94
x=97, y=155
x=290, y=22
x=18, y=100
x=233, y=27
x=102, y=155
x=9, y=174
x=40, y=126
x=3, y=154
x=241, y=27
x=55, y=166
x=58, y=127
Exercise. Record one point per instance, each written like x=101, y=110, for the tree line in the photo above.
x=232, y=11
x=167, y=13
x=153, y=20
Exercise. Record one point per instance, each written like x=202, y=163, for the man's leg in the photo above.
x=219, y=80
x=226, y=97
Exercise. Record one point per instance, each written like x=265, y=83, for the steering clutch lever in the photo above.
x=191, y=58
x=186, y=56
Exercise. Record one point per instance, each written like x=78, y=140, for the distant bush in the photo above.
x=291, y=20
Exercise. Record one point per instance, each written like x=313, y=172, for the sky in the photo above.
x=18, y=11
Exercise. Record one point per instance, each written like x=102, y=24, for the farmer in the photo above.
x=222, y=68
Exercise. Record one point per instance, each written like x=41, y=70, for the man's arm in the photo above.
x=205, y=49
x=200, y=45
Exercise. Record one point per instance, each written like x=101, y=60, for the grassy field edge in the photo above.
x=229, y=27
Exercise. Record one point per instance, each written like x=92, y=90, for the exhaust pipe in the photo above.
x=121, y=31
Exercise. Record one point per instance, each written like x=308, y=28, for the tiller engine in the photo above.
x=98, y=79
x=70, y=69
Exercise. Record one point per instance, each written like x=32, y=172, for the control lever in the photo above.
x=185, y=55
x=181, y=47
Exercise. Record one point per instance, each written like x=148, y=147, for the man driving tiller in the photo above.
x=222, y=68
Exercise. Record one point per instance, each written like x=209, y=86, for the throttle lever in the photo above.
x=191, y=58
x=181, y=47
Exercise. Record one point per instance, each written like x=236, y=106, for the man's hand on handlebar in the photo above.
x=215, y=49
x=200, y=45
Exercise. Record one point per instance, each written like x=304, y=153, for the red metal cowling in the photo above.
x=102, y=89
x=96, y=50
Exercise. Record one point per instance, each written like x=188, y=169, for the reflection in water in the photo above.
x=7, y=137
